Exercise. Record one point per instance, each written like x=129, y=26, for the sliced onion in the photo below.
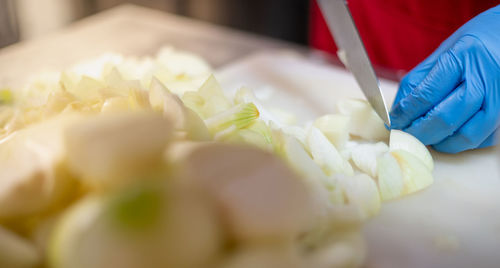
x=209, y=100
x=31, y=165
x=296, y=132
x=365, y=123
x=69, y=230
x=16, y=251
x=111, y=149
x=361, y=191
x=245, y=95
x=184, y=119
x=389, y=177
x=326, y=155
x=335, y=127
x=365, y=157
x=400, y=140
x=301, y=161
x=416, y=175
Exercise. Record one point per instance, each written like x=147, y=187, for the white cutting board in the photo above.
x=453, y=223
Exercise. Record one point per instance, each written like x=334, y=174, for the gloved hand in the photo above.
x=452, y=99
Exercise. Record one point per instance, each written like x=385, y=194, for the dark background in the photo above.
x=282, y=19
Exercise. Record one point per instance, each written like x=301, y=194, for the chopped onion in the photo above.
x=209, y=100
x=416, y=175
x=16, y=251
x=400, y=140
x=365, y=123
x=389, y=177
x=361, y=191
x=335, y=127
x=184, y=119
x=111, y=149
x=31, y=165
x=240, y=116
x=365, y=157
x=325, y=154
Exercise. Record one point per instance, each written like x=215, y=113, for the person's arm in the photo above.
x=452, y=99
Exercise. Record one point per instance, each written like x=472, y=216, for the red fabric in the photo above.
x=398, y=34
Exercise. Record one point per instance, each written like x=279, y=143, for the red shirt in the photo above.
x=398, y=34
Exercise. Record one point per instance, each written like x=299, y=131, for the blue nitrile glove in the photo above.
x=452, y=99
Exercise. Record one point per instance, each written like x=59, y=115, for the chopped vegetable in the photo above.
x=325, y=154
x=209, y=100
x=239, y=116
x=6, y=96
x=32, y=171
x=365, y=157
x=389, y=177
x=364, y=123
x=113, y=148
x=403, y=141
x=335, y=127
x=416, y=175
x=16, y=251
x=361, y=191
x=126, y=162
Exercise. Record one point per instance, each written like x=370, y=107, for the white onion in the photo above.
x=416, y=175
x=389, y=177
x=400, y=140
x=335, y=127
x=365, y=123
x=365, y=157
x=326, y=155
x=361, y=191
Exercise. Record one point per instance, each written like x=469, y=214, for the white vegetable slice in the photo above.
x=326, y=155
x=389, y=177
x=6, y=96
x=240, y=116
x=335, y=127
x=115, y=104
x=144, y=225
x=400, y=140
x=264, y=256
x=184, y=119
x=31, y=165
x=416, y=175
x=87, y=89
x=68, y=232
x=301, y=161
x=15, y=251
x=361, y=191
x=117, y=85
x=235, y=175
x=296, y=132
x=261, y=129
x=209, y=100
x=281, y=118
x=365, y=157
x=114, y=148
x=346, y=250
x=365, y=123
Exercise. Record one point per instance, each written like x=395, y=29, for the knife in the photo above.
x=342, y=27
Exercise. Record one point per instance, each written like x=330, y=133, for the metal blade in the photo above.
x=346, y=37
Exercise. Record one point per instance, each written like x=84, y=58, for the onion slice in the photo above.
x=400, y=140
x=326, y=155
x=389, y=177
x=416, y=175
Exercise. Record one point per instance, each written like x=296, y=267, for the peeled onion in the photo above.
x=416, y=175
x=389, y=177
x=400, y=140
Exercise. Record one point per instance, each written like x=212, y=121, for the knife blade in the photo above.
x=342, y=27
